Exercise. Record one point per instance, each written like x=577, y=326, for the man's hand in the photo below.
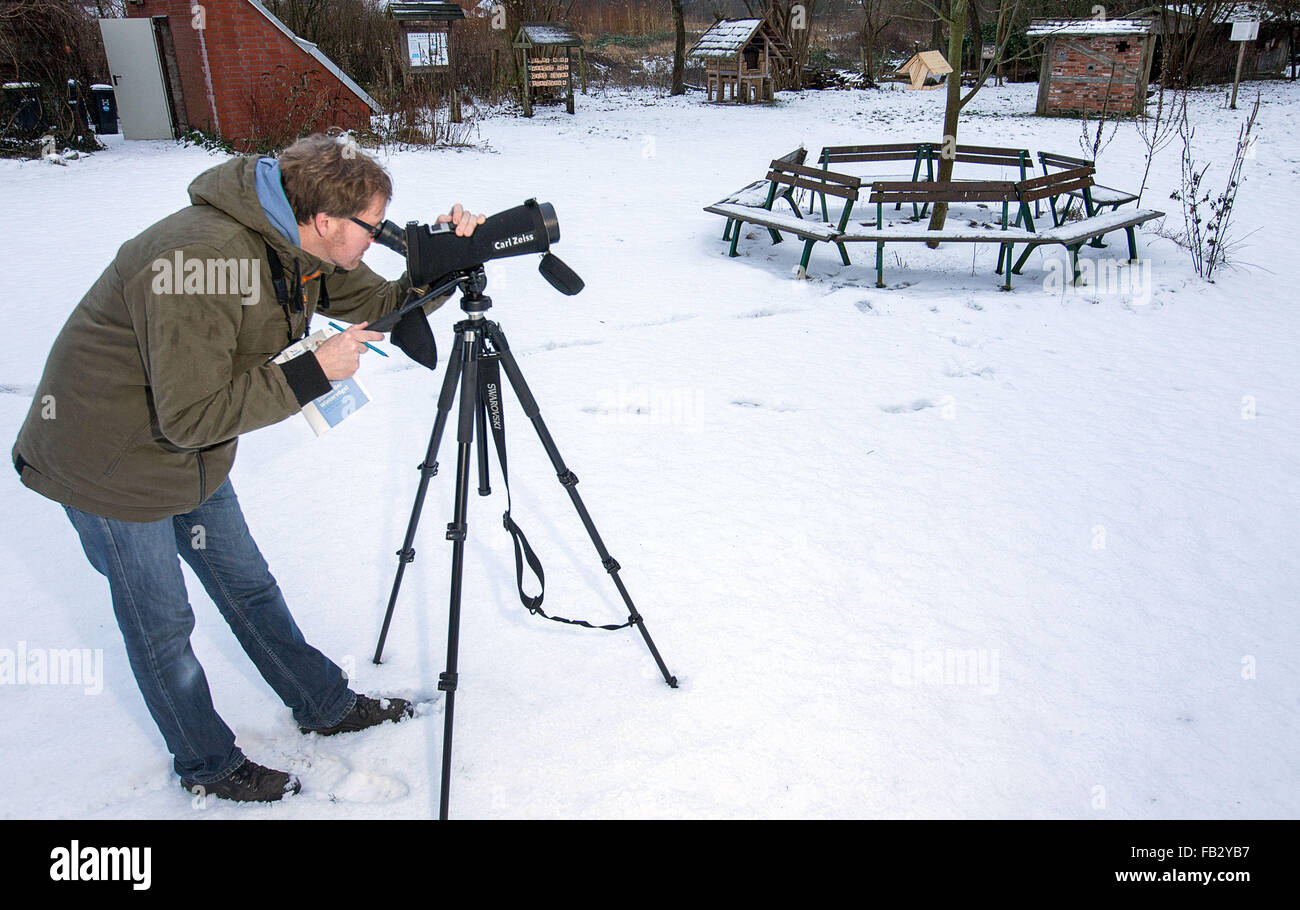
x=340, y=355
x=465, y=221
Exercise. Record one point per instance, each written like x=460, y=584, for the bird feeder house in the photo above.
x=747, y=56
x=925, y=70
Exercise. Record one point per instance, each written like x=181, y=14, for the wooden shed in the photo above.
x=747, y=55
x=545, y=56
x=1091, y=66
x=925, y=69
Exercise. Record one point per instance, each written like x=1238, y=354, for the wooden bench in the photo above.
x=792, y=177
x=928, y=192
x=1094, y=197
x=755, y=194
x=915, y=153
x=1074, y=234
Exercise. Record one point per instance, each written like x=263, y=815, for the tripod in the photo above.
x=480, y=352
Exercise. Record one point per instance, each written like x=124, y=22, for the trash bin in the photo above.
x=23, y=104
x=104, y=103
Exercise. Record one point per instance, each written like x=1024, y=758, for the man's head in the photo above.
x=328, y=184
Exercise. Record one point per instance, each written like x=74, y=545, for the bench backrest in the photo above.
x=931, y=191
x=811, y=178
x=901, y=151
x=1063, y=162
x=989, y=154
x=1055, y=184
x=798, y=156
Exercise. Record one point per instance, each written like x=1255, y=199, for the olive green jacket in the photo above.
x=159, y=369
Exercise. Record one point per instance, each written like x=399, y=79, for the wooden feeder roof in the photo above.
x=1085, y=28
x=547, y=34
x=425, y=12
x=932, y=62
x=728, y=37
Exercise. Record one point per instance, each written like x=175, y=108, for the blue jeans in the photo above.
x=153, y=611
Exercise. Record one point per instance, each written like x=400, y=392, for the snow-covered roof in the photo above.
x=319, y=56
x=553, y=34
x=1237, y=12
x=1042, y=28
x=424, y=12
x=726, y=38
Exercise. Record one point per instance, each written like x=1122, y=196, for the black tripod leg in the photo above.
x=456, y=532
x=484, y=487
x=427, y=470
x=570, y=482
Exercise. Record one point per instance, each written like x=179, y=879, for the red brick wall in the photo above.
x=262, y=85
x=1081, y=74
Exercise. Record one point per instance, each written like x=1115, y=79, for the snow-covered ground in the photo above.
x=933, y=550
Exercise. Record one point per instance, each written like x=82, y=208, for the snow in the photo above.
x=933, y=550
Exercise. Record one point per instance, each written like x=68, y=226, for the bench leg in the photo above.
x=880, y=265
x=1074, y=262
x=1007, y=252
x=776, y=235
x=1023, y=256
x=844, y=254
x=735, y=238
x=726, y=232
x=807, y=254
x=1132, y=244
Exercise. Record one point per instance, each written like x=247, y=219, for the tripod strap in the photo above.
x=490, y=395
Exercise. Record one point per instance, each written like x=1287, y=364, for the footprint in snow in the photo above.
x=329, y=777
x=919, y=405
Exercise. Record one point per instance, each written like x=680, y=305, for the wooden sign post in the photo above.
x=1242, y=32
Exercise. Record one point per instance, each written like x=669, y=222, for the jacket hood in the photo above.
x=231, y=187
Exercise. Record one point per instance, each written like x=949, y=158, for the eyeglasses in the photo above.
x=371, y=229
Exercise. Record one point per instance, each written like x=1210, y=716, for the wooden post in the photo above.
x=568, y=66
x=1241, y=55
x=528, y=87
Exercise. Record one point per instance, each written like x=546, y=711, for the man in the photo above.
x=133, y=428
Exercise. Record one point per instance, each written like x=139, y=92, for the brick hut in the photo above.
x=1091, y=66
x=231, y=68
x=747, y=55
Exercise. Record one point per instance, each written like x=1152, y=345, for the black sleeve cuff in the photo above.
x=305, y=377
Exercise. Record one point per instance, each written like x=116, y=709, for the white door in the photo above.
x=137, y=78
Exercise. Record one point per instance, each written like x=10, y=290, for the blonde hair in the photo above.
x=323, y=174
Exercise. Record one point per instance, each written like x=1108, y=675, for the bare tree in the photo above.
x=876, y=19
x=957, y=18
x=679, y=48
x=50, y=45
x=794, y=20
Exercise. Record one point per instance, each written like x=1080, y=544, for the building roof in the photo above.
x=1045, y=28
x=728, y=37
x=320, y=57
x=425, y=12
x=548, y=34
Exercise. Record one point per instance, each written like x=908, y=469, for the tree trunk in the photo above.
x=679, y=49
x=951, y=111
